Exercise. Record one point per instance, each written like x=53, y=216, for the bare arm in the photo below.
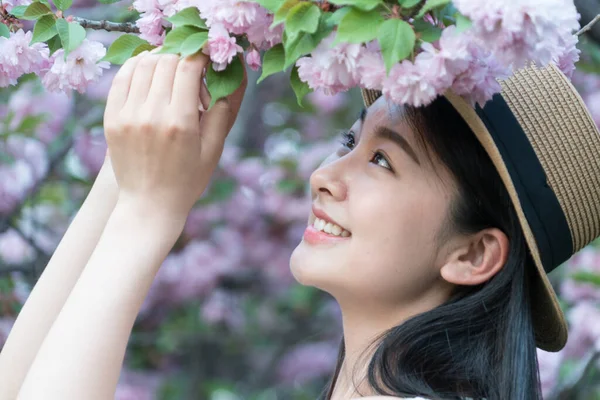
x=163, y=154
x=82, y=354
x=55, y=283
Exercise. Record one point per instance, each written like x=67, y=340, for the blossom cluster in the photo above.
x=81, y=66
x=226, y=19
x=505, y=35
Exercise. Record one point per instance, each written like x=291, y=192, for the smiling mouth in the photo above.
x=330, y=228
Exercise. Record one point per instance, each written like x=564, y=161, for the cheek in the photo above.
x=394, y=247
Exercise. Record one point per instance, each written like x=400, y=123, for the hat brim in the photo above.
x=550, y=326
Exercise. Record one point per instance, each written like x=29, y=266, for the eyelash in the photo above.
x=348, y=142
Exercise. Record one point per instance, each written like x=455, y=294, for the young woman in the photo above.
x=432, y=227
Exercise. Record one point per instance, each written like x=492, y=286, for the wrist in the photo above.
x=150, y=214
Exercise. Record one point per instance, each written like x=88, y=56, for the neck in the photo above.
x=363, y=325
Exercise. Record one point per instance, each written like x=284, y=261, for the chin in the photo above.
x=310, y=268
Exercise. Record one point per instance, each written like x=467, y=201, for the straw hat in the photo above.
x=546, y=147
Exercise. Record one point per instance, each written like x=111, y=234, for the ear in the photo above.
x=478, y=259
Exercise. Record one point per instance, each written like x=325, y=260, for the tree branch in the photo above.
x=127, y=27
x=589, y=25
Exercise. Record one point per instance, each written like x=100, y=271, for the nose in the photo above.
x=328, y=181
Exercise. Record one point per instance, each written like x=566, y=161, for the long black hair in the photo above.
x=480, y=343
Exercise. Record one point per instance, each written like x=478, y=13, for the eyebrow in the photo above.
x=389, y=134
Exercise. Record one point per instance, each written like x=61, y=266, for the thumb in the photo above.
x=215, y=127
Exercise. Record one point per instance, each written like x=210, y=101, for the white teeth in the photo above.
x=336, y=230
x=330, y=228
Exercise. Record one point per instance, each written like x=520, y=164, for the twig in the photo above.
x=127, y=27
x=589, y=25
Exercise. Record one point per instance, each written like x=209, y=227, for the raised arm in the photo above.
x=54, y=285
x=163, y=154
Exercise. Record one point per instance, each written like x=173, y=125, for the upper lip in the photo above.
x=323, y=215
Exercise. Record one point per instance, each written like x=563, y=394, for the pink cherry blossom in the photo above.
x=91, y=147
x=253, y=59
x=221, y=47
x=81, y=67
x=151, y=27
x=569, y=56
x=479, y=81
x=407, y=84
x=307, y=362
x=9, y=4
x=584, y=330
x=331, y=68
x=519, y=31
x=18, y=57
x=28, y=100
x=371, y=67
x=14, y=249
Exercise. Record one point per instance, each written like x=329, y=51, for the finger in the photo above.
x=214, y=128
x=142, y=79
x=119, y=89
x=188, y=79
x=204, y=96
x=162, y=81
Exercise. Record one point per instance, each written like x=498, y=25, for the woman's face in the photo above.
x=392, y=200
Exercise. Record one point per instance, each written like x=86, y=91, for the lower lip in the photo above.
x=313, y=236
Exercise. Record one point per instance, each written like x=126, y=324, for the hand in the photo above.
x=162, y=148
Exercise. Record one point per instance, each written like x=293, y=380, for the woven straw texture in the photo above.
x=566, y=141
x=567, y=144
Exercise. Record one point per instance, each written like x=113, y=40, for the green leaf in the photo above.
x=63, y=4
x=188, y=16
x=108, y=1
x=359, y=26
x=123, y=48
x=397, y=40
x=282, y=12
x=427, y=32
x=430, y=5
x=4, y=31
x=271, y=5
x=71, y=34
x=335, y=18
x=586, y=277
x=223, y=83
x=273, y=62
x=300, y=88
x=36, y=10
x=176, y=37
x=46, y=2
x=365, y=5
x=18, y=11
x=303, y=17
x=463, y=23
x=408, y=3
x=54, y=44
x=142, y=47
x=44, y=29
x=304, y=44
x=193, y=43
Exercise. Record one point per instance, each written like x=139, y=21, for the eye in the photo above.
x=348, y=141
x=379, y=159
